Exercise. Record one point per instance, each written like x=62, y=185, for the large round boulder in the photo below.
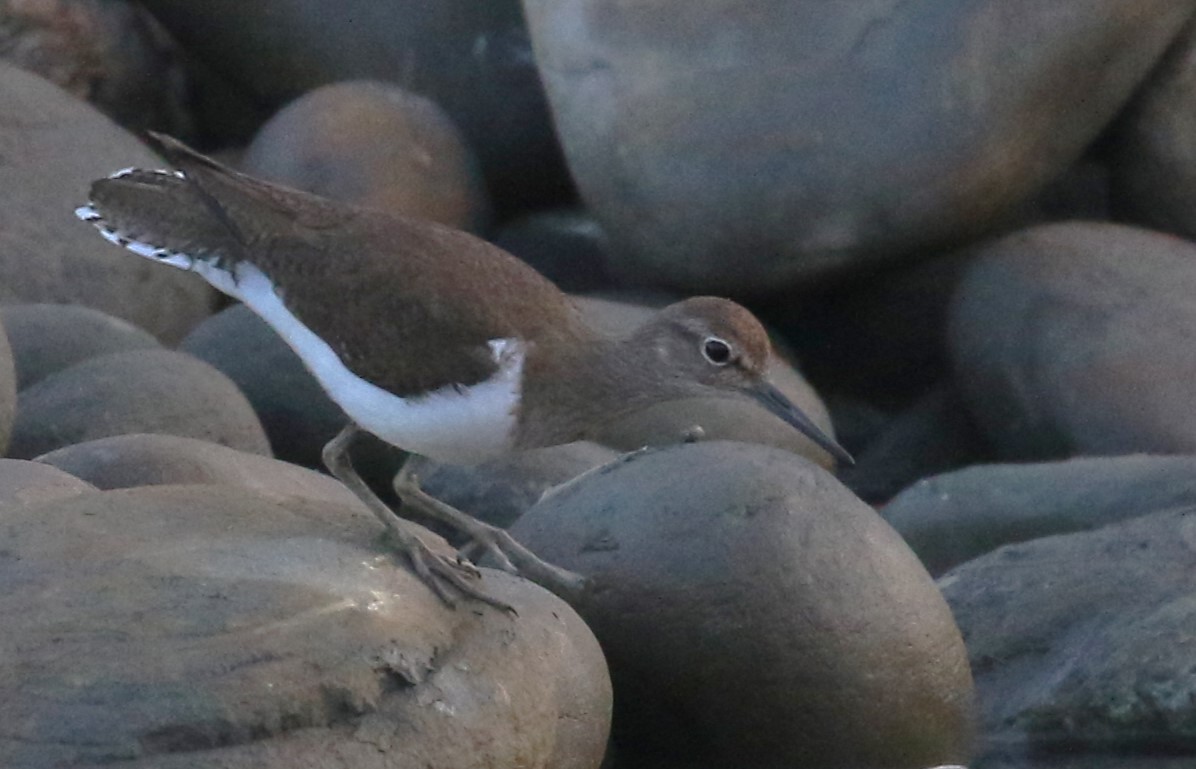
x=756, y=613
x=373, y=144
x=54, y=146
x=1076, y=338
x=749, y=146
x=206, y=626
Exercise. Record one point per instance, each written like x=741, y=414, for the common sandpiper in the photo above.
x=430, y=338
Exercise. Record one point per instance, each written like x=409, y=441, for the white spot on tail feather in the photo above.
x=132, y=170
x=87, y=214
x=174, y=258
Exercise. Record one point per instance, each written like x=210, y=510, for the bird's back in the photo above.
x=369, y=283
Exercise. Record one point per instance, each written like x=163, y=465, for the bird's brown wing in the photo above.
x=390, y=295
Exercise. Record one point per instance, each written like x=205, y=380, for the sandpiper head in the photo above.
x=709, y=344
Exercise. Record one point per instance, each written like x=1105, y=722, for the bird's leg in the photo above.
x=430, y=566
x=510, y=554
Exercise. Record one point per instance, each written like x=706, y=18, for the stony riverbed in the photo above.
x=966, y=223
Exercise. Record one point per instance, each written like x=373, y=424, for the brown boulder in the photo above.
x=373, y=144
x=200, y=626
x=26, y=483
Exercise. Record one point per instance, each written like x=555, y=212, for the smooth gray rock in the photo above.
x=749, y=147
x=1076, y=338
x=46, y=338
x=756, y=613
x=949, y=519
x=137, y=391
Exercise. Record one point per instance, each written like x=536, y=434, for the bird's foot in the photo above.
x=510, y=555
x=440, y=569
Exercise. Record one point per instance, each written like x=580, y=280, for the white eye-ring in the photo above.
x=717, y=351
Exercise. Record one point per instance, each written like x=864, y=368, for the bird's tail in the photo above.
x=202, y=213
x=157, y=214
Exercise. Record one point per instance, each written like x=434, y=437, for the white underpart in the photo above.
x=452, y=424
x=466, y=424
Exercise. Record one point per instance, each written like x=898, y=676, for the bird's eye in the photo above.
x=716, y=350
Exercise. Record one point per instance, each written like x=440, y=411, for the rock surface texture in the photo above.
x=207, y=626
x=755, y=613
x=750, y=147
x=1083, y=643
x=137, y=391
x=1075, y=339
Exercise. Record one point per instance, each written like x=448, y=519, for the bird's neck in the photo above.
x=573, y=387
